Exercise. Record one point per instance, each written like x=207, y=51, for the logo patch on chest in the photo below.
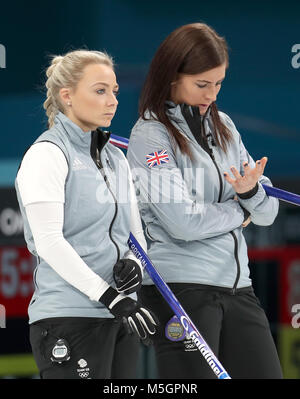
x=78, y=164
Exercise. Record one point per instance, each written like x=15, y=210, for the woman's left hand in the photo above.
x=243, y=184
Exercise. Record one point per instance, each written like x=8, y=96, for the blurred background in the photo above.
x=260, y=93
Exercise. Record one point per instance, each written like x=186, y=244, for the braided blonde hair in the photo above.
x=66, y=71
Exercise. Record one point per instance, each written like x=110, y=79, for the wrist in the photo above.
x=248, y=194
x=110, y=298
x=119, y=305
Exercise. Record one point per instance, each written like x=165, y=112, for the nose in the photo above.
x=112, y=100
x=211, y=93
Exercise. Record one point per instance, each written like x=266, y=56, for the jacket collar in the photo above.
x=174, y=112
x=74, y=132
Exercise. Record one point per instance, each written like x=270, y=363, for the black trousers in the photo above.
x=99, y=348
x=234, y=326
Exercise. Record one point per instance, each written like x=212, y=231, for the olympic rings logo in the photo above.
x=84, y=375
x=190, y=346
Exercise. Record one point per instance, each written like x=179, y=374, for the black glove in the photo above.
x=138, y=319
x=128, y=276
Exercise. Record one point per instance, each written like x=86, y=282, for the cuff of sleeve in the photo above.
x=252, y=203
x=249, y=194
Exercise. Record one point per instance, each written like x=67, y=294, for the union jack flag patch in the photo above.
x=157, y=158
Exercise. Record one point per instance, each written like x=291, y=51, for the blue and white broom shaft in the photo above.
x=178, y=310
x=282, y=195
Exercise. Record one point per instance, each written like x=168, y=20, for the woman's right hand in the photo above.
x=242, y=184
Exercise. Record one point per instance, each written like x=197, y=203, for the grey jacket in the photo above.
x=192, y=222
x=96, y=224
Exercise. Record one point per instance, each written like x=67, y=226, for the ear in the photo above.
x=65, y=97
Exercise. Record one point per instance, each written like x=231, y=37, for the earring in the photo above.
x=69, y=103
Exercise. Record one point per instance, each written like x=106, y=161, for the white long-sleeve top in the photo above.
x=41, y=181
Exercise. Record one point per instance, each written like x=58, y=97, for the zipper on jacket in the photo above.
x=233, y=291
x=100, y=167
x=210, y=152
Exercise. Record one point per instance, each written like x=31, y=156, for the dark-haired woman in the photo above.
x=181, y=152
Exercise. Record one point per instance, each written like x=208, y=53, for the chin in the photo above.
x=105, y=123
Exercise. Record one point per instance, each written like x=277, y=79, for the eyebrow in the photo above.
x=206, y=81
x=105, y=84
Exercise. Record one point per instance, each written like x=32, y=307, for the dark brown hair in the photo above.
x=190, y=49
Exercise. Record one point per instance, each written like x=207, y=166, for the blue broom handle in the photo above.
x=178, y=310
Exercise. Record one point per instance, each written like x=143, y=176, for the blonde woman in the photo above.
x=84, y=319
